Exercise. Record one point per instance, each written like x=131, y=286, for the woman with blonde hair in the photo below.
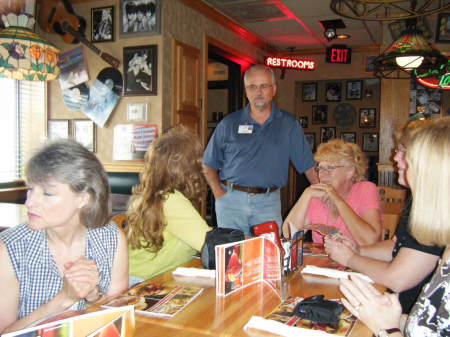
x=402, y=264
x=342, y=199
x=428, y=159
x=164, y=227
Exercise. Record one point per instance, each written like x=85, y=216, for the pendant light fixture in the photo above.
x=24, y=55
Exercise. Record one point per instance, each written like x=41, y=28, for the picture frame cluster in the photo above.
x=344, y=109
x=137, y=18
x=82, y=131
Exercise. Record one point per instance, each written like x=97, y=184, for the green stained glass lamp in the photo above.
x=24, y=55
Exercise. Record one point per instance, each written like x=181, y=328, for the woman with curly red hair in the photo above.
x=163, y=225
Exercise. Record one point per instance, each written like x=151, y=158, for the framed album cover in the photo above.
x=102, y=24
x=140, y=70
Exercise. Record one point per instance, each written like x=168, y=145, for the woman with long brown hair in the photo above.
x=164, y=227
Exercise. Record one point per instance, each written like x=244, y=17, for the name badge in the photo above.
x=247, y=128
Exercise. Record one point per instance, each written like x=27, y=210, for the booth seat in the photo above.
x=121, y=188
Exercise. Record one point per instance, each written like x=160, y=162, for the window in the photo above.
x=22, y=126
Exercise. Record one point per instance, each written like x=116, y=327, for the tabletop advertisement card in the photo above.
x=157, y=300
x=240, y=264
x=113, y=322
x=284, y=314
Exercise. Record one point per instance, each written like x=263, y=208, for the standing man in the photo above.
x=247, y=158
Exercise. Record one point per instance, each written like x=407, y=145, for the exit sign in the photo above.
x=339, y=54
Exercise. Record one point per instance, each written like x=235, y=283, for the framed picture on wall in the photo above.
x=333, y=91
x=58, y=129
x=102, y=24
x=354, y=90
x=319, y=114
x=311, y=139
x=140, y=70
x=140, y=18
x=327, y=133
x=309, y=92
x=369, y=67
x=367, y=118
x=370, y=142
x=443, y=28
x=303, y=122
x=349, y=137
x=83, y=131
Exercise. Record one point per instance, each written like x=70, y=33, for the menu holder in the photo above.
x=243, y=263
x=156, y=299
x=112, y=322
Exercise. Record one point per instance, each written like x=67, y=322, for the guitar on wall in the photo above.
x=58, y=16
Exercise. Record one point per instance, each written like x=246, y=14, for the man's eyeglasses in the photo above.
x=327, y=168
x=254, y=87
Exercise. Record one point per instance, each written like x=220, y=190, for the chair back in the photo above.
x=390, y=223
x=120, y=220
x=392, y=200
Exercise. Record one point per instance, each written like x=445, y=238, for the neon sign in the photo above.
x=438, y=78
x=285, y=62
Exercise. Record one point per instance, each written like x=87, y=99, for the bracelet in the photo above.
x=99, y=295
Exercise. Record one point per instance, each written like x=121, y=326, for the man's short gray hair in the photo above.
x=260, y=67
x=70, y=163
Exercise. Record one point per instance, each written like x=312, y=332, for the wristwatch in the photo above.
x=387, y=332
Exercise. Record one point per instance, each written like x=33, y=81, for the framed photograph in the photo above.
x=349, y=137
x=368, y=64
x=354, y=90
x=137, y=112
x=73, y=68
x=311, y=139
x=370, y=142
x=367, y=118
x=140, y=70
x=398, y=27
x=319, y=114
x=309, y=92
x=443, y=28
x=58, y=129
x=140, y=18
x=333, y=91
x=102, y=24
x=327, y=133
x=83, y=131
x=303, y=122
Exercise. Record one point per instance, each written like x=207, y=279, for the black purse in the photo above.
x=218, y=236
x=317, y=309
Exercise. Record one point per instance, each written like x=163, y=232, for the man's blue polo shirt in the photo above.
x=259, y=159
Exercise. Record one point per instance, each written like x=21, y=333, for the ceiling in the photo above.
x=292, y=25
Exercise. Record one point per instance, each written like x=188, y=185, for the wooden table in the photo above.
x=12, y=215
x=209, y=315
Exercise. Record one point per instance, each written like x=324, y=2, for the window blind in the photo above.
x=21, y=101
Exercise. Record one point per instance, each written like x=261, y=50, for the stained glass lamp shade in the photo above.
x=24, y=55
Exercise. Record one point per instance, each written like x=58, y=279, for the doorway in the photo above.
x=225, y=95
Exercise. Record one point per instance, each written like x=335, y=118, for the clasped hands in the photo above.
x=340, y=248
x=325, y=192
x=80, y=280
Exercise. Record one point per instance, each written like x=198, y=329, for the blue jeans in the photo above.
x=242, y=210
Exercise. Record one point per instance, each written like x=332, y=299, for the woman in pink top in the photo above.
x=342, y=199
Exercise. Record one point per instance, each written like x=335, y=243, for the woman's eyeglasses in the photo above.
x=327, y=168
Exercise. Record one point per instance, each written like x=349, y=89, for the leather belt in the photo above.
x=252, y=190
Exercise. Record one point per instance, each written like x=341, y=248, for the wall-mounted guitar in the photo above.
x=57, y=16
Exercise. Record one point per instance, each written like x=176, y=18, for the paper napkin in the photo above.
x=309, y=269
x=194, y=272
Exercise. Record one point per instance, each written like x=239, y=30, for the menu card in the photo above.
x=156, y=299
x=113, y=322
x=242, y=263
x=284, y=314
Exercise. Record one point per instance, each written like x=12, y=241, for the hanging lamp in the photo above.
x=24, y=55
